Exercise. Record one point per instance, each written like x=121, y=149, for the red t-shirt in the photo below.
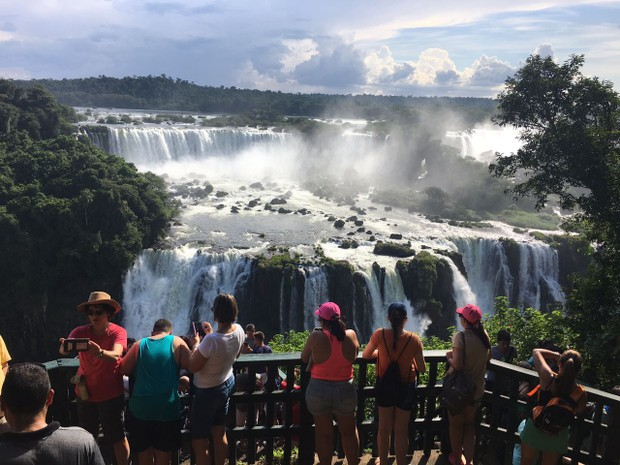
x=103, y=378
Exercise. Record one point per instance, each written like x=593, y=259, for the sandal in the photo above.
x=451, y=459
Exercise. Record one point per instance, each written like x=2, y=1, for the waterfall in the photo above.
x=538, y=273
x=385, y=291
x=482, y=143
x=462, y=292
x=532, y=272
x=315, y=293
x=179, y=285
x=149, y=146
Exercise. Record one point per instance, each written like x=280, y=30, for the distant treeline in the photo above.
x=165, y=93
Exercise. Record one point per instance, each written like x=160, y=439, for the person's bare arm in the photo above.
x=455, y=358
x=541, y=365
x=420, y=363
x=128, y=363
x=370, y=351
x=306, y=352
x=181, y=353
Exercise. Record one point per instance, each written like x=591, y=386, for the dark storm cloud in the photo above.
x=446, y=77
x=341, y=66
x=266, y=59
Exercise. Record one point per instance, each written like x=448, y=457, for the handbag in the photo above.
x=458, y=389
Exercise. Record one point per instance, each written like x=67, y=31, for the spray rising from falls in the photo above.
x=180, y=284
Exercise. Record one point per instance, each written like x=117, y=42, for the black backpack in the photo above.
x=391, y=385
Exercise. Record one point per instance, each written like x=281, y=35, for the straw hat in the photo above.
x=99, y=298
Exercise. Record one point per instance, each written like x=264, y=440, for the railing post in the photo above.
x=306, y=439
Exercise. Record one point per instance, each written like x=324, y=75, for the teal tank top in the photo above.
x=155, y=395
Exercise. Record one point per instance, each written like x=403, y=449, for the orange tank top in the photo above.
x=336, y=367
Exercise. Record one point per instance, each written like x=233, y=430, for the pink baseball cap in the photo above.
x=470, y=312
x=328, y=311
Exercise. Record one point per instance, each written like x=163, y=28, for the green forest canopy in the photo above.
x=72, y=217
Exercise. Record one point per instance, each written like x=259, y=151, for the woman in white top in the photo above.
x=211, y=362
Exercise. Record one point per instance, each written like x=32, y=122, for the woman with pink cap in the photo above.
x=331, y=351
x=471, y=350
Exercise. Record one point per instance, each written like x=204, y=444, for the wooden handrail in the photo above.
x=593, y=439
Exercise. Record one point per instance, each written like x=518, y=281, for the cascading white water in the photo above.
x=489, y=273
x=463, y=294
x=179, y=285
x=482, y=143
x=315, y=293
x=175, y=284
x=154, y=145
x=538, y=263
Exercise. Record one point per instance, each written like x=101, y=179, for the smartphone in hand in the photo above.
x=75, y=344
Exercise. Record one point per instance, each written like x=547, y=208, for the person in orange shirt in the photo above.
x=389, y=345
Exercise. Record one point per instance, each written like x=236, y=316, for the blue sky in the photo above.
x=443, y=47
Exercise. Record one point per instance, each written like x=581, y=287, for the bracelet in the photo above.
x=100, y=354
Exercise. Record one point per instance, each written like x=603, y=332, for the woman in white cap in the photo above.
x=99, y=370
x=473, y=361
x=331, y=351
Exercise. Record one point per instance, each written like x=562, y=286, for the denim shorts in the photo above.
x=210, y=407
x=335, y=397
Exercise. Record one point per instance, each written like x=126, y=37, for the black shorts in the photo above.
x=407, y=399
x=107, y=413
x=164, y=436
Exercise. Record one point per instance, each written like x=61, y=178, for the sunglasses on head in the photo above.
x=98, y=311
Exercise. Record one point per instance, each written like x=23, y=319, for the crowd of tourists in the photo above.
x=159, y=368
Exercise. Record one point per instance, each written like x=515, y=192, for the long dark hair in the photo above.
x=336, y=326
x=479, y=331
x=571, y=361
x=397, y=314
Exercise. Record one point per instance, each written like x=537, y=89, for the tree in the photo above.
x=570, y=129
x=72, y=219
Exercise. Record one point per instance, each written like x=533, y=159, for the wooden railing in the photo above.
x=284, y=437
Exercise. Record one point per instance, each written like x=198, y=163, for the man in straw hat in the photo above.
x=99, y=364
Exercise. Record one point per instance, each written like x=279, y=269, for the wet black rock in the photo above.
x=396, y=236
x=278, y=201
x=284, y=210
x=220, y=194
x=339, y=224
x=257, y=185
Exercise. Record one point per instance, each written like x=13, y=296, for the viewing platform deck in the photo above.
x=284, y=433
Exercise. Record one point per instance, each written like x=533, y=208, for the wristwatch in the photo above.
x=100, y=354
